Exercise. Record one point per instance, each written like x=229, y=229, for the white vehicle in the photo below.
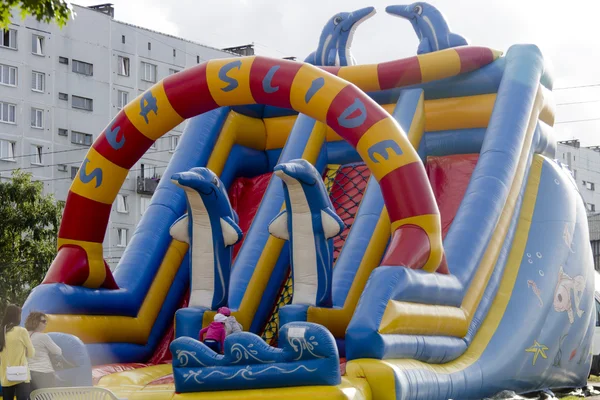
x=595, y=370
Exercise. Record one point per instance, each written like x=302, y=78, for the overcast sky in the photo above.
x=567, y=32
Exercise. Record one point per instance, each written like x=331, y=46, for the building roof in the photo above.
x=572, y=143
x=157, y=32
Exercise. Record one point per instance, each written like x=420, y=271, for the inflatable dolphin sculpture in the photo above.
x=430, y=25
x=308, y=223
x=336, y=38
x=210, y=227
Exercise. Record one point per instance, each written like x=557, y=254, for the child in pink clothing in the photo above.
x=231, y=324
x=215, y=333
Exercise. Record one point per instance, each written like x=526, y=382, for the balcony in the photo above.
x=147, y=185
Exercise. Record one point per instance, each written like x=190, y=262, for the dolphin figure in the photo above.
x=308, y=222
x=430, y=26
x=210, y=227
x=336, y=38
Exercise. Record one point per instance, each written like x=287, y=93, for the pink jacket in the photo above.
x=214, y=331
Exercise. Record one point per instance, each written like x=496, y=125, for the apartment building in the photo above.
x=584, y=163
x=594, y=227
x=60, y=88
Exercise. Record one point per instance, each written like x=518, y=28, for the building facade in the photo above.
x=594, y=227
x=60, y=88
x=584, y=163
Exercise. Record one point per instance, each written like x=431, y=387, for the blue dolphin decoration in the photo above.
x=308, y=222
x=336, y=38
x=430, y=25
x=210, y=227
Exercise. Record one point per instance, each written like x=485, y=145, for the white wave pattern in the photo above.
x=249, y=375
x=193, y=374
x=183, y=356
x=245, y=373
x=301, y=344
x=197, y=375
x=241, y=352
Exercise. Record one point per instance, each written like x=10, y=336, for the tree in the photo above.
x=48, y=11
x=29, y=222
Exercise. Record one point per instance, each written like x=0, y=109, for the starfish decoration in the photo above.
x=537, y=349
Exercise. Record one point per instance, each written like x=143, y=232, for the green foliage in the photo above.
x=48, y=11
x=29, y=222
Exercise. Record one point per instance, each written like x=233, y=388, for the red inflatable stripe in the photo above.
x=352, y=99
x=188, y=92
x=282, y=74
x=397, y=73
x=406, y=194
x=86, y=220
x=132, y=149
x=472, y=58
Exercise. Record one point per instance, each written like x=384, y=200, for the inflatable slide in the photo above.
x=397, y=230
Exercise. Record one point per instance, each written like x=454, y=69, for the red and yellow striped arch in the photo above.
x=249, y=80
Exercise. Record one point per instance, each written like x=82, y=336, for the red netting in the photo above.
x=346, y=192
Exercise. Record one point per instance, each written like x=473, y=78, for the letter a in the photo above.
x=148, y=103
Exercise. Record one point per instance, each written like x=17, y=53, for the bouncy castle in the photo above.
x=397, y=230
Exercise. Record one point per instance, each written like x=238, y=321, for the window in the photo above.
x=63, y=60
x=174, y=53
x=63, y=96
x=7, y=150
x=148, y=171
x=575, y=173
x=122, y=204
x=123, y=66
x=123, y=99
x=149, y=46
x=121, y=237
x=589, y=185
x=123, y=39
x=173, y=71
x=74, y=171
x=8, y=113
x=62, y=167
x=9, y=38
x=590, y=207
x=37, y=45
x=63, y=132
x=148, y=72
x=197, y=59
x=80, y=67
x=144, y=204
x=8, y=75
x=36, y=154
x=174, y=142
x=82, y=103
x=81, y=138
x=37, y=81
x=37, y=118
